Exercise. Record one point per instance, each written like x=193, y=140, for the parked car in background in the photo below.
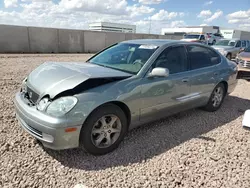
x=230, y=47
x=243, y=61
x=94, y=104
x=213, y=38
x=200, y=38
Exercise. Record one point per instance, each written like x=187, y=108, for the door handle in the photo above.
x=216, y=73
x=185, y=80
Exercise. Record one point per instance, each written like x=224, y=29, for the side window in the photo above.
x=238, y=44
x=243, y=43
x=214, y=57
x=201, y=57
x=174, y=59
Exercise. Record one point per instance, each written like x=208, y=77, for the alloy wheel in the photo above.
x=217, y=96
x=106, y=131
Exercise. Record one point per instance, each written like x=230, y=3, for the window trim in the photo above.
x=189, y=63
x=243, y=41
x=170, y=47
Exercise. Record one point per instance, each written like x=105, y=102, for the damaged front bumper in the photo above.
x=49, y=130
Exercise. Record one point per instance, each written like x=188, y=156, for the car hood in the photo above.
x=223, y=47
x=244, y=56
x=52, y=78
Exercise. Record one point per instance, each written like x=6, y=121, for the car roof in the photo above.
x=156, y=42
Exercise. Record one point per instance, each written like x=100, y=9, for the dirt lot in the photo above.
x=190, y=149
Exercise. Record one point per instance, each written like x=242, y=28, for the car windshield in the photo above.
x=225, y=43
x=247, y=49
x=191, y=36
x=125, y=57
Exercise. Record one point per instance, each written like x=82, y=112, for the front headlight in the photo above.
x=61, y=106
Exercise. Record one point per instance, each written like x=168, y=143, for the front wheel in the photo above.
x=216, y=98
x=104, y=129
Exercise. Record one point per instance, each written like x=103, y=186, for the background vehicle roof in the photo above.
x=156, y=42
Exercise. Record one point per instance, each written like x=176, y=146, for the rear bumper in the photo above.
x=245, y=69
x=232, y=86
x=49, y=130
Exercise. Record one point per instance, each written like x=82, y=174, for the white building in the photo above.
x=177, y=33
x=113, y=27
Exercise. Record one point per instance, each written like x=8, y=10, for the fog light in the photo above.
x=48, y=137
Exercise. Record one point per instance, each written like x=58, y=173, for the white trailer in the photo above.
x=232, y=33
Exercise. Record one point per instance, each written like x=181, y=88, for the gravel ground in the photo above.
x=190, y=149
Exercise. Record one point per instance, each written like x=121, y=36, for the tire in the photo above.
x=229, y=56
x=211, y=107
x=98, y=136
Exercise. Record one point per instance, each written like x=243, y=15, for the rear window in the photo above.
x=200, y=57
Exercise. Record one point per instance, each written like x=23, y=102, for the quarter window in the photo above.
x=238, y=44
x=174, y=59
x=201, y=57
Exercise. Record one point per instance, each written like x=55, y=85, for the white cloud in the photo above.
x=178, y=23
x=10, y=3
x=150, y=2
x=107, y=6
x=136, y=10
x=204, y=14
x=208, y=3
x=239, y=14
x=240, y=18
x=215, y=16
x=165, y=15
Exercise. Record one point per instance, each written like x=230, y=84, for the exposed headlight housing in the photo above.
x=23, y=86
x=61, y=106
x=41, y=106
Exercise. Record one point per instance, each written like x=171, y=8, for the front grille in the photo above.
x=246, y=64
x=35, y=131
x=31, y=95
x=29, y=128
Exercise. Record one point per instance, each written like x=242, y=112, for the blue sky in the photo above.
x=162, y=13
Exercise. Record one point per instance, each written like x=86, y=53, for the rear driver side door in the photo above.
x=204, y=68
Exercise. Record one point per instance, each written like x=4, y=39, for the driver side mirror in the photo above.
x=159, y=72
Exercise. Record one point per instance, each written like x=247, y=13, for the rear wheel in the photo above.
x=216, y=98
x=104, y=129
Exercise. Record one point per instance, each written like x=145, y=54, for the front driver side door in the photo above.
x=162, y=96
